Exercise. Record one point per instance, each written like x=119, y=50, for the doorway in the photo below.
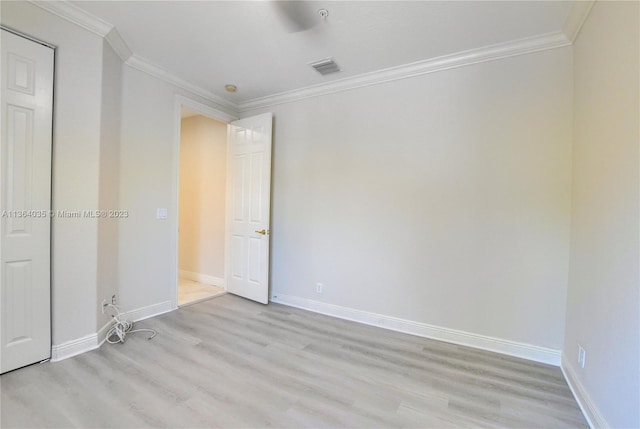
x=246, y=205
x=201, y=207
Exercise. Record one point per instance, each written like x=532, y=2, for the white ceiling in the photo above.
x=248, y=43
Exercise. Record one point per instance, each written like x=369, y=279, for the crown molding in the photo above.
x=76, y=15
x=88, y=21
x=579, y=12
x=460, y=59
x=148, y=67
x=578, y=15
x=118, y=44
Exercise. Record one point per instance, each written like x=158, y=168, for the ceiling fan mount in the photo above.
x=299, y=16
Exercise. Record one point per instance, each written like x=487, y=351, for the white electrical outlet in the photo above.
x=106, y=303
x=319, y=287
x=582, y=355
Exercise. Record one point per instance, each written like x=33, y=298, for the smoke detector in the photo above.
x=326, y=66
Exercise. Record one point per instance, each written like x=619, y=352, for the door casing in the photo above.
x=226, y=118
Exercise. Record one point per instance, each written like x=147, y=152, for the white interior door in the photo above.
x=25, y=171
x=248, y=207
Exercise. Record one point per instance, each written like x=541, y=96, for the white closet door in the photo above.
x=25, y=172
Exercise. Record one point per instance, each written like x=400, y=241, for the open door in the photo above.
x=248, y=207
x=25, y=174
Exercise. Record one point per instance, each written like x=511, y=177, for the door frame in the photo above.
x=33, y=39
x=174, y=211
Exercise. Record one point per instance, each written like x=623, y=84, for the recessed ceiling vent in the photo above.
x=326, y=66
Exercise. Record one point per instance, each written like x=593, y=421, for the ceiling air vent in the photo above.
x=325, y=66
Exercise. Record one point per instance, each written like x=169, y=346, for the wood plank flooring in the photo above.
x=229, y=362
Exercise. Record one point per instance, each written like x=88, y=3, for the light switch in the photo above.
x=161, y=213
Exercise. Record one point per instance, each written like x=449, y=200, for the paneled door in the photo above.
x=248, y=207
x=25, y=174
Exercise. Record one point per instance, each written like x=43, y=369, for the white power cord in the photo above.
x=118, y=332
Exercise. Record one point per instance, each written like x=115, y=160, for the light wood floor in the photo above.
x=190, y=292
x=229, y=362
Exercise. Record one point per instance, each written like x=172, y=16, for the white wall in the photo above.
x=114, y=129
x=603, y=300
x=76, y=156
x=442, y=199
x=203, y=168
x=401, y=198
x=148, y=180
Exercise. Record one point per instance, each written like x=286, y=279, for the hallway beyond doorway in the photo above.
x=191, y=291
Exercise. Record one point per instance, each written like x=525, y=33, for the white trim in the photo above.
x=102, y=332
x=74, y=347
x=459, y=59
x=203, y=278
x=151, y=69
x=203, y=109
x=498, y=345
x=26, y=36
x=589, y=409
x=149, y=311
x=222, y=116
x=76, y=15
x=80, y=17
x=577, y=17
x=84, y=19
x=118, y=44
x=93, y=341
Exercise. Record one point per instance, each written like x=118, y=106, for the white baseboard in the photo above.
x=149, y=311
x=93, y=341
x=102, y=333
x=74, y=347
x=511, y=348
x=202, y=278
x=588, y=407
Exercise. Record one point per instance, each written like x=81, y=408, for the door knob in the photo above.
x=263, y=232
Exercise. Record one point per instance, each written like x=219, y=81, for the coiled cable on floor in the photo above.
x=118, y=332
